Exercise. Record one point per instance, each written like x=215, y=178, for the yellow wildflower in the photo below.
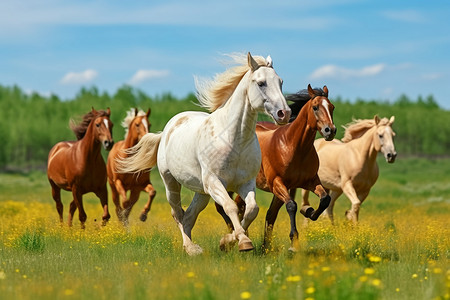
x=310, y=290
x=246, y=295
x=294, y=278
x=369, y=271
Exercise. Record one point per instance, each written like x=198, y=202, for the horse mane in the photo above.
x=81, y=128
x=213, y=93
x=131, y=114
x=300, y=99
x=358, y=127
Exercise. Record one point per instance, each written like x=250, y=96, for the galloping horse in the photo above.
x=213, y=154
x=289, y=159
x=78, y=166
x=136, y=125
x=350, y=166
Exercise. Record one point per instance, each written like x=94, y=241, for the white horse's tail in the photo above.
x=142, y=156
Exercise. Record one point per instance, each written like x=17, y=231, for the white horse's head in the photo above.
x=384, y=139
x=264, y=91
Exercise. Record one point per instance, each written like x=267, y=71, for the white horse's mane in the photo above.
x=129, y=118
x=358, y=127
x=213, y=93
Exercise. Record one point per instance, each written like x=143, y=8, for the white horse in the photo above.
x=350, y=166
x=213, y=154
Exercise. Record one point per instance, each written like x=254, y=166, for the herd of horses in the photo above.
x=226, y=152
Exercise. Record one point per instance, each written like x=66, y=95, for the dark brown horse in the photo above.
x=290, y=161
x=137, y=125
x=78, y=166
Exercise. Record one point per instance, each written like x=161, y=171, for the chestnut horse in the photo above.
x=136, y=125
x=78, y=166
x=350, y=166
x=290, y=161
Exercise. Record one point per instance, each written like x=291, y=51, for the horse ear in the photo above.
x=391, y=120
x=252, y=63
x=311, y=91
x=135, y=111
x=94, y=111
x=269, y=62
x=108, y=111
x=376, y=119
x=325, y=90
x=149, y=111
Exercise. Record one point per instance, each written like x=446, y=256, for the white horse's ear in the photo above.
x=391, y=120
x=252, y=63
x=269, y=61
x=376, y=119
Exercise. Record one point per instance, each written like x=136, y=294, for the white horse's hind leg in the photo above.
x=199, y=202
x=251, y=208
x=350, y=192
x=173, y=189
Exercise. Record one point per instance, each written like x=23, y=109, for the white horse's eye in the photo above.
x=261, y=83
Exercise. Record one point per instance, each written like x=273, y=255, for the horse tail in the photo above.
x=142, y=156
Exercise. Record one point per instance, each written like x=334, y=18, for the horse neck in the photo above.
x=365, y=146
x=90, y=146
x=302, y=131
x=237, y=114
x=131, y=139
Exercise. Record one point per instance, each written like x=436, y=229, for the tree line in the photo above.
x=30, y=124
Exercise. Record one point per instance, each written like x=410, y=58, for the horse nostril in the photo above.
x=389, y=155
x=327, y=129
x=280, y=114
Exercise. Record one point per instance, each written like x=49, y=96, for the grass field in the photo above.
x=399, y=250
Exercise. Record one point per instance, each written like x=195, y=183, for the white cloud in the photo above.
x=432, y=76
x=145, y=75
x=333, y=71
x=409, y=16
x=79, y=78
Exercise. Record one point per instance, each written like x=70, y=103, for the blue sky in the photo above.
x=367, y=49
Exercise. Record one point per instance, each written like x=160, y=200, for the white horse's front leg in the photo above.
x=247, y=193
x=220, y=195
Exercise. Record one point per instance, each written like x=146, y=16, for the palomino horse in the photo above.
x=213, y=154
x=136, y=125
x=290, y=161
x=78, y=166
x=350, y=166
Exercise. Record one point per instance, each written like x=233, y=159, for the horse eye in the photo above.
x=98, y=124
x=315, y=108
x=261, y=83
x=381, y=136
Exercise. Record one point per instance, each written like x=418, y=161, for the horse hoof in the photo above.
x=246, y=246
x=143, y=217
x=307, y=211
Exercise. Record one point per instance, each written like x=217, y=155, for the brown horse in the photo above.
x=289, y=159
x=137, y=125
x=78, y=166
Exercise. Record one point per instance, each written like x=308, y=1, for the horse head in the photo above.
x=103, y=128
x=264, y=91
x=322, y=109
x=384, y=138
x=140, y=125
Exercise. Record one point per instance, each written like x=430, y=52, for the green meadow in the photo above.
x=399, y=250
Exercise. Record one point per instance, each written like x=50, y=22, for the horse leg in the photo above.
x=173, y=189
x=72, y=209
x=151, y=195
x=329, y=211
x=317, y=188
x=78, y=201
x=128, y=205
x=199, y=202
x=103, y=195
x=220, y=195
x=120, y=192
x=247, y=207
x=271, y=216
x=241, y=206
x=349, y=190
x=56, y=194
x=282, y=193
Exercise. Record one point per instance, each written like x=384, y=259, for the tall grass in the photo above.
x=400, y=249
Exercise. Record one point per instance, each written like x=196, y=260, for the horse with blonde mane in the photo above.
x=213, y=154
x=136, y=125
x=349, y=166
x=78, y=166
